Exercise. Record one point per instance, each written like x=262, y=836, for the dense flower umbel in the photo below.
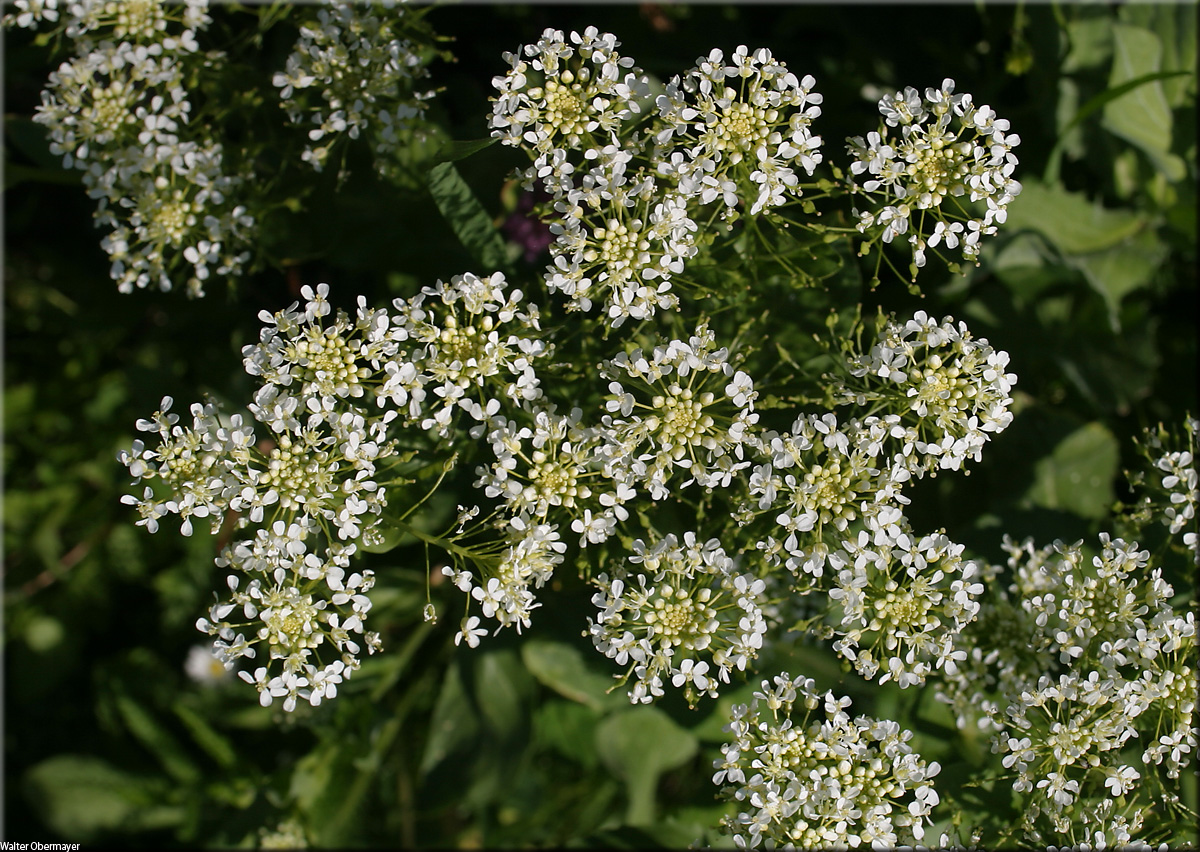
x=947, y=149
x=118, y=111
x=1091, y=730
x=738, y=131
x=619, y=239
x=365, y=72
x=565, y=94
x=475, y=346
x=683, y=408
x=949, y=387
x=805, y=775
x=686, y=614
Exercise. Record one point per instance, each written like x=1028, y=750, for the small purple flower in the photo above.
x=528, y=232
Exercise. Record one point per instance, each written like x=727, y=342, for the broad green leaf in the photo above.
x=1069, y=221
x=638, y=745
x=501, y=686
x=454, y=721
x=1091, y=43
x=562, y=667
x=1120, y=270
x=569, y=728
x=1142, y=116
x=1175, y=26
x=1078, y=476
x=79, y=797
x=467, y=217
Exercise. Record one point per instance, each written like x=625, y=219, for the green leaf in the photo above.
x=562, y=667
x=79, y=797
x=501, y=686
x=1142, y=116
x=1175, y=26
x=1078, y=476
x=569, y=728
x=157, y=740
x=467, y=217
x=217, y=746
x=1069, y=221
x=1120, y=270
x=454, y=724
x=460, y=149
x=638, y=745
x=1091, y=43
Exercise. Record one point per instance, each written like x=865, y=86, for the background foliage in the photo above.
x=1090, y=288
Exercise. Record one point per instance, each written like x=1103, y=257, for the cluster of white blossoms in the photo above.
x=332, y=388
x=806, y=775
x=620, y=239
x=366, y=75
x=738, y=131
x=473, y=348
x=119, y=112
x=951, y=388
x=564, y=95
x=903, y=602
x=683, y=410
x=685, y=614
x=947, y=149
x=1086, y=674
x=1173, y=489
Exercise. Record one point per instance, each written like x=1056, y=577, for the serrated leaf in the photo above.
x=561, y=667
x=1069, y=220
x=638, y=745
x=1142, y=116
x=1078, y=476
x=467, y=217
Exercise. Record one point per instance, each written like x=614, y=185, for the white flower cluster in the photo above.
x=903, y=602
x=1086, y=743
x=365, y=72
x=620, y=238
x=563, y=97
x=895, y=601
x=947, y=149
x=806, y=775
x=687, y=614
x=1177, y=482
x=118, y=111
x=686, y=409
x=624, y=203
x=738, y=131
x=955, y=385
x=332, y=386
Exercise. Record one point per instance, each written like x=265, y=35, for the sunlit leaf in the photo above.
x=564, y=669
x=638, y=745
x=467, y=217
x=1078, y=475
x=1142, y=116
